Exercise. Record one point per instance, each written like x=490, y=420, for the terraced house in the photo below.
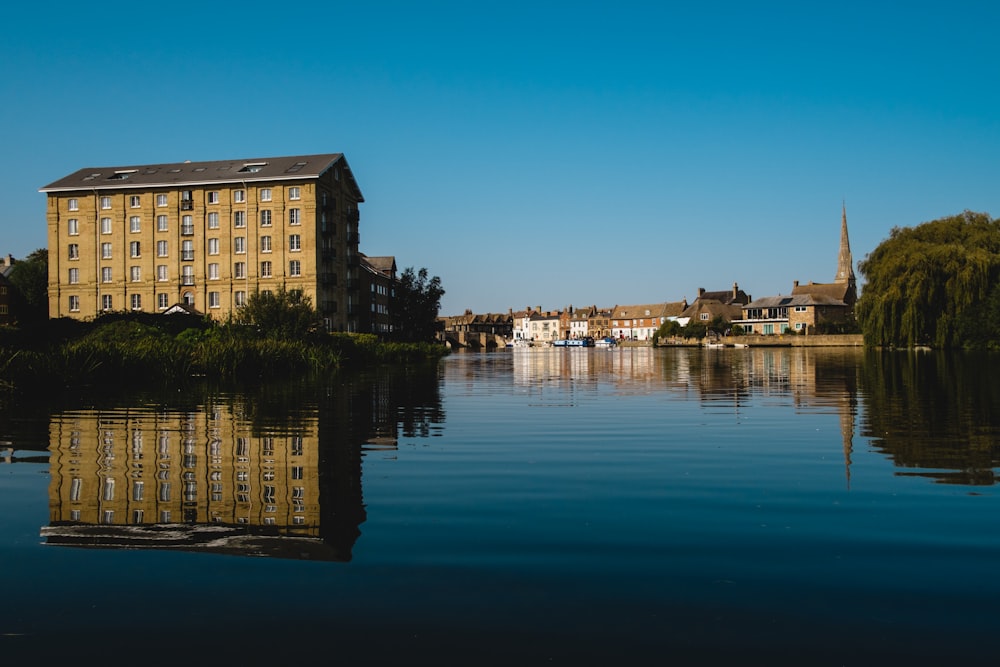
x=205, y=235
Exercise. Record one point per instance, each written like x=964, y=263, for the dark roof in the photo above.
x=384, y=264
x=837, y=291
x=289, y=168
x=794, y=300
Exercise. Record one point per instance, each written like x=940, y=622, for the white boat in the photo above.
x=607, y=341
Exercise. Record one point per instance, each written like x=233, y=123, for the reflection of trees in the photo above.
x=934, y=411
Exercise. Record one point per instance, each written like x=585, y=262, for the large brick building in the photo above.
x=206, y=235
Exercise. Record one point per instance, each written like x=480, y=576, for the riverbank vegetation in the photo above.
x=275, y=336
x=936, y=284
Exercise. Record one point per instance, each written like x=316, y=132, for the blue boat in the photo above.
x=574, y=342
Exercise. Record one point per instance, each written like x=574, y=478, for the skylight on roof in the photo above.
x=122, y=174
x=253, y=167
x=295, y=167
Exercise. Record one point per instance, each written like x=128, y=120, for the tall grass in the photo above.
x=130, y=352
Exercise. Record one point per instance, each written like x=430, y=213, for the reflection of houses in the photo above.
x=640, y=322
x=811, y=305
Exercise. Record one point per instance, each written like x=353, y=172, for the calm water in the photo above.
x=567, y=507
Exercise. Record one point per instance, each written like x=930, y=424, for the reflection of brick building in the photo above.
x=205, y=475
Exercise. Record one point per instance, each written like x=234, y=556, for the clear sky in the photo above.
x=537, y=153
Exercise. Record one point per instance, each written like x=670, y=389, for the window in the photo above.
x=74, y=204
x=74, y=304
x=161, y=248
x=105, y=225
x=265, y=194
x=161, y=272
x=295, y=268
x=105, y=251
x=265, y=244
x=265, y=218
x=133, y=249
x=105, y=274
x=105, y=302
x=239, y=196
x=135, y=274
x=799, y=326
x=105, y=202
x=240, y=297
x=213, y=246
x=294, y=193
x=801, y=309
x=161, y=200
x=134, y=201
x=74, y=276
x=294, y=216
x=240, y=270
x=187, y=225
x=213, y=299
x=213, y=271
x=74, y=251
x=295, y=242
x=136, y=301
x=161, y=223
x=187, y=250
x=73, y=226
x=265, y=269
x=187, y=275
x=162, y=301
x=134, y=224
x=704, y=316
x=240, y=245
x=239, y=218
x=213, y=197
x=213, y=220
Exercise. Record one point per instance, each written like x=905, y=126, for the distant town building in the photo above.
x=809, y=305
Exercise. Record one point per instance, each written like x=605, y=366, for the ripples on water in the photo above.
x=633, y=506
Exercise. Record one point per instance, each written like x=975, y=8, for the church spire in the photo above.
x=845, y=270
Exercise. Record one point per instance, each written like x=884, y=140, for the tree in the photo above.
x=281, y=314
x=415, y=309
x=931, y=284
x=30, y=278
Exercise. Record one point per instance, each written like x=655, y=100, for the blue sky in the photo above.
x=537, y=153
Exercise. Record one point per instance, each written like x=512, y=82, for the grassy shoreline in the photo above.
x=126, y=351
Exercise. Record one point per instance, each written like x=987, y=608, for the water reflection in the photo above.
x=273, y=471
x=277, y=470
x=935, y=415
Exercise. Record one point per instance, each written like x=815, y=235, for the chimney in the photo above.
x=795, y=283
x=736, y=290
x=701, y=290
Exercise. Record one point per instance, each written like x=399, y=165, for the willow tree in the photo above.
x=931, y=284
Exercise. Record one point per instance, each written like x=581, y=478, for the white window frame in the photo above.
x=136, y=301
x=294, y=216
x=213, y=220
x=106, y=274
x=161, y=200
x=294, y=243
x=239, y=196
x=294, y=268
x=105, y=225
x=106, y=250
x=73, y=204
x=161, y=248
x=135, y=201
x=162, y=223
x=294, y=192
x=105, y=203
x=134, y=224
x=73, y=226
x=240, y=245
x=213, y=197
x=265, y=194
